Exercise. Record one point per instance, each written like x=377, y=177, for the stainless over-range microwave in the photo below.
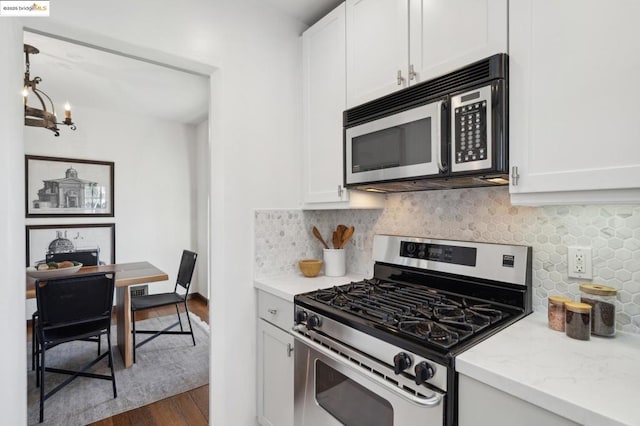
x=449, y=132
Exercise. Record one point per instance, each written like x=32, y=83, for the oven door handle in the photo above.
x=430, y=401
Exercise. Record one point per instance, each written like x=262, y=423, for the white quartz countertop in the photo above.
x=288, y=285
x=594, y=382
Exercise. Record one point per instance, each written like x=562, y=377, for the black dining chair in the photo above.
x=87, y=258
x=73, y=308
x=177, y=297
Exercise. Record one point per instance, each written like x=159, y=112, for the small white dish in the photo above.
x=52, y=273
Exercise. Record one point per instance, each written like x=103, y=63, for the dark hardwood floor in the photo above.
x=190, y=408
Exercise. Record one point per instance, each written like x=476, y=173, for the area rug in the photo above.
x=164, y=367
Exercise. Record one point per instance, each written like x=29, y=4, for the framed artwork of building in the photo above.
x=95, y=242
x=68, y=187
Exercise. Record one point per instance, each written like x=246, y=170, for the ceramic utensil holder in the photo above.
x=334, y=262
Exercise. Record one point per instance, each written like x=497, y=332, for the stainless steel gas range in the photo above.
x=382, y=351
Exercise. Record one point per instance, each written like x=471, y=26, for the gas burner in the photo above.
x=475, y=318
x=425, y=311
x=493, y=315
x=333, y=296
x=340, y=300
x=430, y=331
x=439, y=333
x=449, y=312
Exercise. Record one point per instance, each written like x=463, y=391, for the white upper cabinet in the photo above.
x=324, y=100
x=323, y=69
x=446, y=35
x=394, y=44
x=574, y=101
x=377, y=48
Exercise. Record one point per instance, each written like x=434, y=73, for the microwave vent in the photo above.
x=458, y=182
x=475, y=74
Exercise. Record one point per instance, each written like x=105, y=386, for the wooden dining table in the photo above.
x=126, y=274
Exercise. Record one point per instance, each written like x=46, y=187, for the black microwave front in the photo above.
x=450, y=132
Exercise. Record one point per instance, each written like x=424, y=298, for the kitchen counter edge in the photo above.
x=286, y=286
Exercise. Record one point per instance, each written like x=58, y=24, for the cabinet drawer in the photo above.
x=277, y=311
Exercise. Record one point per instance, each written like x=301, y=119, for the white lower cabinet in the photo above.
x=483, y=405
x=275, y=362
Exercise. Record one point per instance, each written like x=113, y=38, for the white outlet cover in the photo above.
x=573, y=253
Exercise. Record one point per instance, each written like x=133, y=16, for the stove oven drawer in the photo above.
x=275, y=310
x=331, y=390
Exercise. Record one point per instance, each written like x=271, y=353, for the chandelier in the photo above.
x=41, y=117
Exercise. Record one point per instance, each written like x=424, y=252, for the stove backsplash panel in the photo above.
x=282, y=237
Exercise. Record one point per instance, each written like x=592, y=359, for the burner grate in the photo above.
x=421, y=312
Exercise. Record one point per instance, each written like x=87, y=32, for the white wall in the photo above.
x=255, y=145
x=13, y=396
x=201, y=209
x=155, y=182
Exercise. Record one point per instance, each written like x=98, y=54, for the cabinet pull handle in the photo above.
x=289, y=350
x=514, y=175
x=412, y=73
x=272, y=311
x=400, y=78
x=339, y=190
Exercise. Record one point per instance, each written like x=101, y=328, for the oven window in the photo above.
x=403, y=145
x=348, y=401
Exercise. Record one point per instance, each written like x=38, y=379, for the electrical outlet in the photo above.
x=579, y=262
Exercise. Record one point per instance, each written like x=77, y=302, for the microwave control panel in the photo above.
x=471, y=122
x=471, y=132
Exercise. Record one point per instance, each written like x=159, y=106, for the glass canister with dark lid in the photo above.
x=603, y=313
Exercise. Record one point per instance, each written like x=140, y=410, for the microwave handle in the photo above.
x=442, y=137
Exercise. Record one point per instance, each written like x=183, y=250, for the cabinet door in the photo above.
x=323, y=103
x=446, y=35
x=377, y=48
x=481, y=404
x=574, y=101
x=275, y=376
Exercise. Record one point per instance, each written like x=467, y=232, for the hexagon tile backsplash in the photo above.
x=282, y=237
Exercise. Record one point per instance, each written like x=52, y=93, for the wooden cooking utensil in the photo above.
x=339, y=232
x=336, y=240
x=347, y=236
x=316, y=234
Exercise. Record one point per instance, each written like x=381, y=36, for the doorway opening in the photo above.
x=151, y=119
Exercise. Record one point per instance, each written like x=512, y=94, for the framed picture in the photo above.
x=52, y=242
x=68, y=187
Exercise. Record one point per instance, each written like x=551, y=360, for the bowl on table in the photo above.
x=52, y=273
x=310, y=267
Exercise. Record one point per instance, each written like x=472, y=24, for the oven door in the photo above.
x=403, y=145
x=335, y=387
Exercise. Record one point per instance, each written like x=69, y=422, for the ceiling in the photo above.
x=89, y=77
x=307, y=11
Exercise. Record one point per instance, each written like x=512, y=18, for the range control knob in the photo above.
x=424, y=371
x=313, y=321
x=401, y=362
x=301, y=316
